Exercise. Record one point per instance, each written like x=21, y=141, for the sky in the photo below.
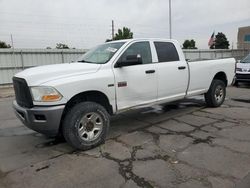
x=86, y=23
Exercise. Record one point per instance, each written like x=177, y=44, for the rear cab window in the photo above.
x=166, y=52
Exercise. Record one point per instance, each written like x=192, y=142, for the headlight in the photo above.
x=239, y=69
x=45, y=94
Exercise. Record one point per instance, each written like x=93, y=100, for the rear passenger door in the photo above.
x=172, y=72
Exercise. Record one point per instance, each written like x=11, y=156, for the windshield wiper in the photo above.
x=83, y=61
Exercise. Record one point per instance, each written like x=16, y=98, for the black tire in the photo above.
x=211, y=97
x=236, y=83
x=75, y=118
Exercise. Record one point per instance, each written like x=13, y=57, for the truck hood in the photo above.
x=39, y=75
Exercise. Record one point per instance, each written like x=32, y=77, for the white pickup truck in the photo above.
x=77, y=99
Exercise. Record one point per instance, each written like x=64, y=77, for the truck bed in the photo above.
x=202, y=72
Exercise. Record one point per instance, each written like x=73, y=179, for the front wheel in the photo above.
x=216, y=93
x=86, y=125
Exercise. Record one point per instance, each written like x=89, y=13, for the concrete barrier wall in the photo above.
x=12, y=62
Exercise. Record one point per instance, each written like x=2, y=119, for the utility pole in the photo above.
x=12, y=43
x=13, y=51
x=170, y=20
x=113, y=30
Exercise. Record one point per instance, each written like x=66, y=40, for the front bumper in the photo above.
x=45, y=120
x=242, y=77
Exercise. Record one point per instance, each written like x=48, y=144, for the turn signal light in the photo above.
x=51, y=98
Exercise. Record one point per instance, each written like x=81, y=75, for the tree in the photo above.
x=61, y=46
x=4, y=45
x=124, y=33
x=220, y=42
x=189, y=44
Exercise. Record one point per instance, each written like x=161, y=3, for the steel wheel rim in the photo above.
x=90, y=126
x=219, y=94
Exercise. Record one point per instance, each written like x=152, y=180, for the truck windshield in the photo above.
x=101, y=54
x=246, y=59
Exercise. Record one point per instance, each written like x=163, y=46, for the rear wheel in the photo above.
x=86, y=125
x=216, y=93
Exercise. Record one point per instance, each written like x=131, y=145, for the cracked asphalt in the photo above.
x=182, y=144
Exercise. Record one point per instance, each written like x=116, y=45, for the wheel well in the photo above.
x=93, y=96
x=221, y=76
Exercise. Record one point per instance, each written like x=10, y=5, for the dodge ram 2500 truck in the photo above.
x=77, y=99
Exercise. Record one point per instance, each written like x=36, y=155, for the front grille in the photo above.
x=243, y=76
x=22, y=92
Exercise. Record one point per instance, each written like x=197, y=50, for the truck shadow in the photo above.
x=32, y=146
x=127, y=122
x=141, y=118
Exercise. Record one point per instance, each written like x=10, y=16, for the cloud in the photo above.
x=85, y=23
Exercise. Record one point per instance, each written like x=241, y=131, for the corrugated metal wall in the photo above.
x=214, y=54
x=12, y=62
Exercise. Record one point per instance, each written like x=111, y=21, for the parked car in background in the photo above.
x=77, y=99
x=243, y=70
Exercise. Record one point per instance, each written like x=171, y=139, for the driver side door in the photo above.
x=136, y=84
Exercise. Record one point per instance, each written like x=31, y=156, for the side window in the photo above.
x=142, y=48
x=166, y=51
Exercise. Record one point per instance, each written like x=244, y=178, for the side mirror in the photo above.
x=130, y=60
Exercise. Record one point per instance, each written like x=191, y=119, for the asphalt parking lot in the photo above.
x=182, y=144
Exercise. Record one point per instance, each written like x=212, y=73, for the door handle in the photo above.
x=150, y=71
x=181, y=67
